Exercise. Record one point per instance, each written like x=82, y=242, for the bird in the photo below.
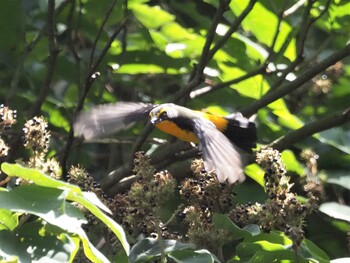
x=221, y=140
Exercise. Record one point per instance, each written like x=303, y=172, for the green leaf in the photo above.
x=263, y=24
x=151, y=17
x=309, y=250
x=255, y=172
x=8, y=219
x=109, y=222
x=37, y=177
x=336, y=137
x=193, y=256
x=149, y=249
x=58, y=191
x=339, y=177
x=47, y=203
x=336, y=210
x=223, y=222
x=292, y=163
x=30, y=246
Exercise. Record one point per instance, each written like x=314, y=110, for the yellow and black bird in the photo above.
x=220, y=138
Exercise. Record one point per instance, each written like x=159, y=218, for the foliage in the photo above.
x=286, y=63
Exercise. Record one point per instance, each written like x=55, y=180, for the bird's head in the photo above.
x=163, y=112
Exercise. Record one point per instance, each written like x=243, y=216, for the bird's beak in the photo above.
x=155, y=120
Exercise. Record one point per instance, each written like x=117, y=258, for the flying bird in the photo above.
x=221, y=139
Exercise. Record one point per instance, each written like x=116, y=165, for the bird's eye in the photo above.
x=163, y=115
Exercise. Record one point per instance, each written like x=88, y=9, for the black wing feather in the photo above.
x=110, y=118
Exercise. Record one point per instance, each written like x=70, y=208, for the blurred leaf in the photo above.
x=41, y=201
x=336, y=210
x=336, y=137
x=58, y=191
x=292, y=163
x=310, y=251
x=29, y=246
x=193, y=256
x=10, y=26
x=223, y=222
x=255, y=172
x=340, y=260
x=37, y=177
x=148, y=249
x=8, y=219
x=260, y=19
x=151, y=17
x=339, y=177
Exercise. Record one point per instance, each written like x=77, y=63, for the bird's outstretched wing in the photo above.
x=110, y=118
x=218, y=152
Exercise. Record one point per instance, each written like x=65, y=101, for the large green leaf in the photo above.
x=37, y=177
x=149, y=249
x=292, y=163
x=223, y=222
x=57, y=192
x=47, y=203
x=8, y=219
x=263, y=24
x=336, y=210
x=151, y=17
x=29, y=245
x=339, y=177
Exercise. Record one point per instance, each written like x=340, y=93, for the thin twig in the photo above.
x=309, y=129
x=100, y=30
x=294, y=8
x=208, y=89
x=197, y=72
x=233, y=28
x=51, y=65
x=287, y=88
x=91, y=76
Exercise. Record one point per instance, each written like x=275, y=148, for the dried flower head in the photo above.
x=7, y=117
x=138, y=210
x=282, y=211
x=36, y=134
x=3, y=148
x=52, y=168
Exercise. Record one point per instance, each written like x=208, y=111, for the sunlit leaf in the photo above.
x=263, y=24
x=255, y=172
x=336, y=210
x=292, y=163
x=151, y=17
x=149, y=249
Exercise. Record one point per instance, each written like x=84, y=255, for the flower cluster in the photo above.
x=312, y=183
x=204, y=195
x=36, y=135
x=138, y=210
x=282, y=211
x=7, y=119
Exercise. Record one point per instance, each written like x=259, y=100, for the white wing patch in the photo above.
x=110, y=118
x=219, y=154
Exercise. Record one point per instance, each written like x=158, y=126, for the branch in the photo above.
x=287, y=88
x=205, y=55
x=105, y=19
x=233, y=28
x=309, y=129
x=51, y=64
x=91, y=76
x=294, y=8
x=197, y=72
